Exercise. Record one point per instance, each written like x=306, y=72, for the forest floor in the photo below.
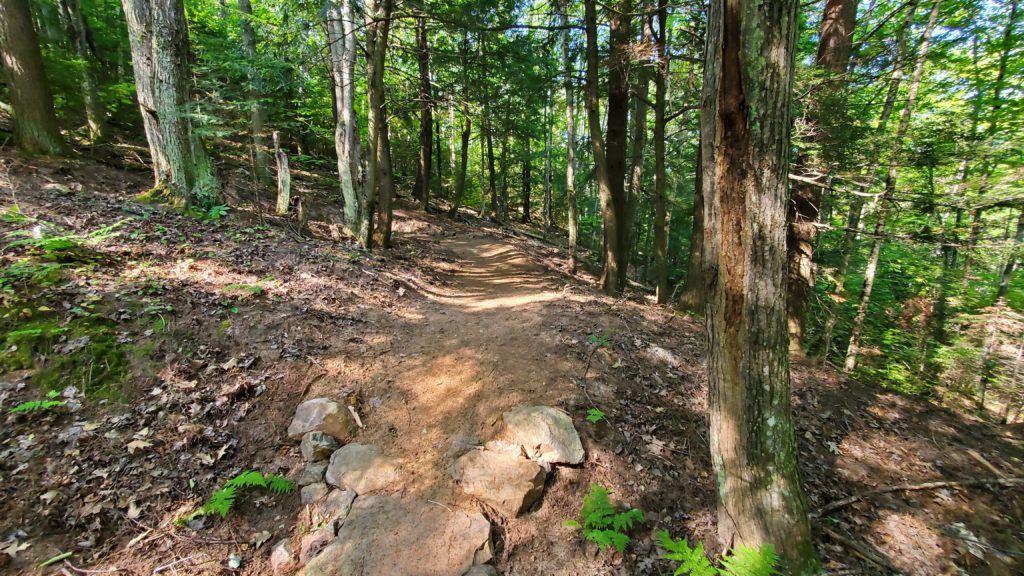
x=189, y=343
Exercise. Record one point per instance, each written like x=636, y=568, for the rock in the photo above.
x=361, y=468
x=317, y=446
x=482, y=570
x=311, y=473
x=508, y=482
x=389, y=535
x=282, y=558
x=313, y=492
x=323, y=415
x=545, y=433
x=314, y=542
x=461, y=444
x=335, y=508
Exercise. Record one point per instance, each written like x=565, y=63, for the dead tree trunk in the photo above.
x=745, y=126
x=159, y=43
x=284, y=178
x=35, y=124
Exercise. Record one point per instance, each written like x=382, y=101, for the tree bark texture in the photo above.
x=257, y=116
x=78, y=34
x=570, y=137
x=426, y=101
x=341, y=37
x=660, y=204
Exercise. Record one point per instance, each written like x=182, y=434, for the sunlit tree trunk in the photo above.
x=35, y=124
x=745, y=126
x=380, y=180
x=460, y=176
x=257, y=116
x=887, y=196
x=610, y=148
x=159, y=42
x=660, y=203
x=341, y=37
x=570, y=129
x=421, y=188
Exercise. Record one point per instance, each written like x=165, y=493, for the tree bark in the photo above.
x=1011, y=262
x=258, y=117
x=570, y=136
x=159, y=43
x=527, y=161
x=35, y=124
x=610, y=148
x=284, y=178
x=547, y=164
x=78, y=34
x=634, y=181
x=692, y=297
x=460, y=177
x=381, y=181
x=355, y=196
x=745, y=125
x=422, y=186
x=885, y=201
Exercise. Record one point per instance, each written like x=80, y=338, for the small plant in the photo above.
x=600, y=339
x=741, y=561
x=223, y=500
x=594, y=415
x=39, y=405
x=215, y=213
x=601, y=523
x=247, y=290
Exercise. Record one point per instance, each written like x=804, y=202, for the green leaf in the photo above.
x=594, y=415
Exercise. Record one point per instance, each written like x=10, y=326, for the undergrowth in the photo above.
x=740, y=561
x=223, y=500
x=601, y=524
x=39, y=405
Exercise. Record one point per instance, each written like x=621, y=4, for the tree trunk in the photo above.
x=503, y=180
x=834, y=46
x=159, y=42
x=660, y=204
x=570, y=129
x=547, y=164
x=745, y=127
x=380, y=182
x=887, y=196
x=35, y=125
x=492, y=177
x=422, y=187
x=527, y=161
x=438, y=155
x=79, y=33
x=284, y=178
x=634, y=181
x=258, y=119
x=460, y=177
x=693, y=296
x=356, y=198
x=610, y=148
x=1011, y=262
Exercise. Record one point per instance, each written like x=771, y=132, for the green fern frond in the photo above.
x=597, y=511
x=607, y=539
x=625, y=521
x=747, y=561
x=247, y=479
x=223, y=500
x=36, y=405
x=692, y=561
x=601, y=524
x=279, y=484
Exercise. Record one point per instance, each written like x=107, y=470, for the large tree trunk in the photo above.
x=380, y=180
x=692, y=297
x=78, y=34
x=634, y=179
x=836, y=39
x=341, y=38
x=745, y=127
x=660, y=204
x=547, y=164
x=460, y=177
x=527, y=161
x=422, y=186
x=610, y=148
x=503, y=179
x=258, y=118
x=887, y=196
x=159, y=41
x=35, y=125
x=570, y=129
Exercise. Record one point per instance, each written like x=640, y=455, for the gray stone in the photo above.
x=314, y=542
x=545, y=433
x=461, y=444
x=508, y=482
x=361, y=468
x=482, y=570
x=389, y=535
x=313, y=492
x=335, y=508
x=282, y=558
x=311, y=473
x=323, y=415
x=317, y=446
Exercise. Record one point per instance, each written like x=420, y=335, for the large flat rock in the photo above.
x=361, y=468
x=386, y=535
x=323, y=415
x=508, y=482
x=545, y=434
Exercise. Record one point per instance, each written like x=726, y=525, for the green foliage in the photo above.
x=39, y=405
x=222, y=501
x=741, y=561
x=215, y=213
x=52, y=243
x=594, y=415
x=601, y=524
x=600, y=339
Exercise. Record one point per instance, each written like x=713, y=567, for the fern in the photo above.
x=222, y=501
x=37, y=405
x=741, y=561
x=602, y=524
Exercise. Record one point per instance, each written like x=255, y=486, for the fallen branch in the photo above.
x=860, y=549
x=832, y=507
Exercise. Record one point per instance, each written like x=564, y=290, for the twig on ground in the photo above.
x=85, y=571
x=171, y=565
x=860, y=550
x=832, y=507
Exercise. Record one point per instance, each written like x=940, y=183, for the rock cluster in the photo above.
x=358, y=530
